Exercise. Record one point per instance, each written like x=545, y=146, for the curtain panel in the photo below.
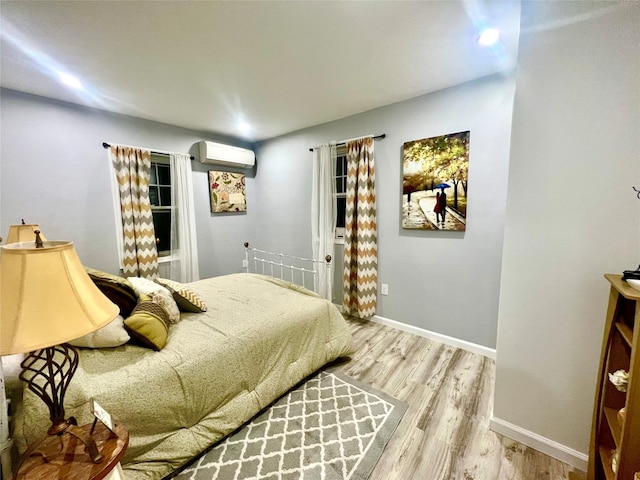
x=139, y=254
x=323, y=214
x=184, y=246
x=361, y=237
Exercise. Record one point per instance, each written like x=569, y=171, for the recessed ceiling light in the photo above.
x=70, y=81
x=244, y=127
x=488, y=37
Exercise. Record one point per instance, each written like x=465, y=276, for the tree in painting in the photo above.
x=435, y=175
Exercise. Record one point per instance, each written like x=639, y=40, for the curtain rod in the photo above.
x=344, y=142
x=107, y=145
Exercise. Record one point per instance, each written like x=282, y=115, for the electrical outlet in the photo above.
x=245, y=263
x=384, y=289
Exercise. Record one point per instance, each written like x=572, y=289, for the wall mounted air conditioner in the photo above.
x=212, y=153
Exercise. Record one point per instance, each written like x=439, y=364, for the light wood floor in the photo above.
x=444, y=435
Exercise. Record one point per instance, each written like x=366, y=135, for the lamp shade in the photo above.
x=23, y=233
x=46, y=297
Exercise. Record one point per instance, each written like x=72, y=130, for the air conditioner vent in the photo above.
x=212, y=153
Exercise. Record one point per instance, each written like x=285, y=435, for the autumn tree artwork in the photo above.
x=435, y=180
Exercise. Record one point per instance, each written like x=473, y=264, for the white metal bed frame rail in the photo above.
x=272, y=264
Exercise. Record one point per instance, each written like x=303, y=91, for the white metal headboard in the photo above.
x=299, y=270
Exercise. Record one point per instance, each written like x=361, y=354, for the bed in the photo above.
x=259, y=337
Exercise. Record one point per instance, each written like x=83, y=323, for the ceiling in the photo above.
x=279, y=66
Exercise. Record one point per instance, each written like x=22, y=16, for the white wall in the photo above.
x=54, y=172
x=571, y=214
x=446, y=282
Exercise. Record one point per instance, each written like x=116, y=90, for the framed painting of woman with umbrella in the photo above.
x=435, y=180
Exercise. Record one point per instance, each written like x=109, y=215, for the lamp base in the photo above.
x=47, y=451
x=73, y=463
x=59, y=427
x=47, y=373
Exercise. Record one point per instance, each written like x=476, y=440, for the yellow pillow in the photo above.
x=148, y=324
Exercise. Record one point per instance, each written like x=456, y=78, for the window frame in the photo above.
x=161, y=159
x=340, y=178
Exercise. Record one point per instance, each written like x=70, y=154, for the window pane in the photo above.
x=341, y=204
x=165, y=196
x=154, y=178
x=153, y=196
x=338, y=166
x=162, y=226
x=164, y=175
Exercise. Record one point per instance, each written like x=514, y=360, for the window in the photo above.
x=340, y=178
x=160, y=197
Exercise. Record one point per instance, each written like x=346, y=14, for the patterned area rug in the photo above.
x=331, y=427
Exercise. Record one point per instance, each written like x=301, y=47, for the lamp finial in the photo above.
x=39, y=243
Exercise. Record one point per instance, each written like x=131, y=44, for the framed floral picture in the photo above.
x=227, y=192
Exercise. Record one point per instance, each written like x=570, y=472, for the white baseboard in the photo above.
x=542, y=444
x=438, y=337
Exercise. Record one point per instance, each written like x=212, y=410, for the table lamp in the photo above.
x=46, y=299
x=23, y=232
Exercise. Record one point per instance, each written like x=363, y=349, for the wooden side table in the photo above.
x=68, y=459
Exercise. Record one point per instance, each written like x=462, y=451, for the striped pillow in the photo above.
x=148, y=324
x=187, y=300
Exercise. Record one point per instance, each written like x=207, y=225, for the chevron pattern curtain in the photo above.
x=361, y=237
x=133, y=168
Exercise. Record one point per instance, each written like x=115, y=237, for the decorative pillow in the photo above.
x=187, y=300
x=117, y=289
x=158, y=294
x=112, y=334
x=148, y=324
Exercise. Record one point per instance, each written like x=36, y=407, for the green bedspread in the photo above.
x=259, y=337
